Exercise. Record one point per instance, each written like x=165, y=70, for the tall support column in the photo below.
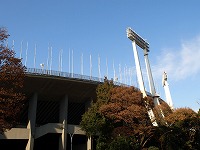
x=167, y=91
x=89, y=139
x=141, y=82
x=88, y=104
x=138, y=69
x=32, y=121
x=150, y=78
x=136, y=39
x=63, y=119
x=89, y=143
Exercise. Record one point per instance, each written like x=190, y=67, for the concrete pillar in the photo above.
x=89, y=140
x=141, y=81
x=149, y=73
x=150, y=78
x=32, y=121
x=89, y=143
x=138, y=69
x=88, y=104
x=63, y=119
x=167, y=91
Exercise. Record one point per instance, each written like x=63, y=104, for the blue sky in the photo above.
x=98, y=28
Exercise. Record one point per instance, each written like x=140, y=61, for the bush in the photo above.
x=153, y=148
x=120, y=143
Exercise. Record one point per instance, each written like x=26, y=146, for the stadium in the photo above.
x=55, y=104
x=57, y=100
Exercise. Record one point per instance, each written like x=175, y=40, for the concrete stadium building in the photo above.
x=56, y=102
x=50, y=119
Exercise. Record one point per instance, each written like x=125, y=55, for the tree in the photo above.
x=164, y=109
x=182, y=130
x=127, y=108
x=180, y=114
x=93, y=122
x=118, y=115
x=12, y=74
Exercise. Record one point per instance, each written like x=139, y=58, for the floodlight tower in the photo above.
x=138, y=40
x=135, y=40
x=167, y=91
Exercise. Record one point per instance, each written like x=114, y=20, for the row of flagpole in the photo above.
x=125, y=76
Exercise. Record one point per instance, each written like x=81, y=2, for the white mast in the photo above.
x=140, y=42
x=72, y=63
x=69, y=62
x=114, y=74
x=130, y=77
x=167, y=91
x=82, y=64
x=48, y=57
x=120, y=73
x=13, y=45
x=51, y=53
x=107, y=68
x=21, y=50
x=124, y=75
x=61, y=59
x=34, y=61
x=90, y=66
x=26, y=54
x=99, y=67
x=6, y=43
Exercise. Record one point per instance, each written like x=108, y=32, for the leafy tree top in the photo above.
x=12, y=74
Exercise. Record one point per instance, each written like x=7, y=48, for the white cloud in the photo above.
x=181, y=63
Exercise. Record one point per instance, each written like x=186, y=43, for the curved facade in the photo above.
x=55, y=103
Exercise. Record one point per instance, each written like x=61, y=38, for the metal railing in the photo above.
x=36, y=71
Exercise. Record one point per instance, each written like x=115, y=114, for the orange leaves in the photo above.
x=126, y=104
x=180, y=114
x=3, y=34
x=12, y=74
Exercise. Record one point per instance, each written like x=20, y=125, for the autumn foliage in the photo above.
x=127, y=106
x=118, y=119
x=12, y=74
x=180, y=114
x=119, y=112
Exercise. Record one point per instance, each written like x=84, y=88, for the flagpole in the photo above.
x=34, y=57
x=26, y=54
x=51, y=58
x=48, y=57
x=99, y=68
x=72, y=64
x=21, y=50
x=114, y=70
x=82, y=64
x=13, y=45
x=120, y=73
x=107, y=68
x=69, y=62
x=61, y=59
x=90, y=66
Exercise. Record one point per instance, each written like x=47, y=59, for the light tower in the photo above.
x=167, y=91
x=137, y=40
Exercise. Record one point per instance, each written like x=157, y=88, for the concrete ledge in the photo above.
x=15, y=133
x=23, y=133
x=48, y=128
